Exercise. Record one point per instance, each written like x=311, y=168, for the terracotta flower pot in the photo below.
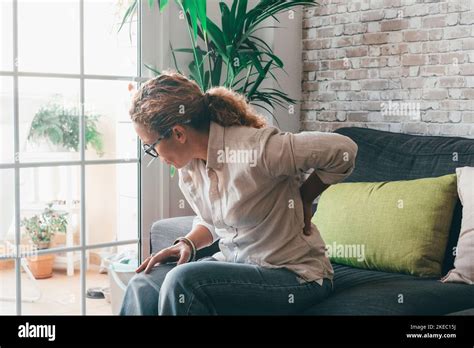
x=41, y=266
x=7, y=264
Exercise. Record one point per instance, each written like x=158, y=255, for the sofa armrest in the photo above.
x=164, y=233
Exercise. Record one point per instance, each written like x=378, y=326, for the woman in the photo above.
x=242, y=180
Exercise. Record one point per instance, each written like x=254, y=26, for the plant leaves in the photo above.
x=162, y=4
x=260, y=78
x=157, y=72
x=174, y=59
x=129, y=13
x=226, y=23
x=202, y=16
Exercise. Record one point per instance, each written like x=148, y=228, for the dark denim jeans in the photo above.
x=210, y=287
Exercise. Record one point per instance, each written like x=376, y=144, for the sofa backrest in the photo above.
x=387, y=156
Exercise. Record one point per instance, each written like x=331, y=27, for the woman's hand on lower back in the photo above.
x=180, y=252
x=311, y=188
x=308, y=214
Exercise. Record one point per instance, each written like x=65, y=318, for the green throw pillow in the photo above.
x=397, y=226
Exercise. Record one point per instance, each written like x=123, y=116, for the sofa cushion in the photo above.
x=399, y=226
x=464, y=262
x=365, y=292
x=346, y=277
x=387, y=156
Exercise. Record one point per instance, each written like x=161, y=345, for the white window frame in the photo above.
x=152, y=203
x=156, y=184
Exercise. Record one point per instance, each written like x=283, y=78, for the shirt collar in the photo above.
x=215, y=143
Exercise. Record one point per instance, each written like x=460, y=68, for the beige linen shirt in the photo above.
x=247, y=194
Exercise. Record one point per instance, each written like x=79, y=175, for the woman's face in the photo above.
x=174, y=149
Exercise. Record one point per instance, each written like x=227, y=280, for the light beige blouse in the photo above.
x=247, y=194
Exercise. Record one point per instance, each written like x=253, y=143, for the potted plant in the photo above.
x=40, y=229
x=233, y=49
x=60, y=127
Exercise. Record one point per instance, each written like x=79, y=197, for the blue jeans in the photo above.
x=210, y=287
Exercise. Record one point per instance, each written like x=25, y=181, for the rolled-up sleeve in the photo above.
x=201, y=212
x=331, y=155
x=198, y=220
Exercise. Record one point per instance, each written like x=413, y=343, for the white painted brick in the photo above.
x=414, y=70
x=391, y=13
x=455, y=116
x=460, y=130
x=395, y=127
x=373, y=27
x=467, y=18
x=415, y=22
x=452, y=19
x=373, y=73
x=459, y=5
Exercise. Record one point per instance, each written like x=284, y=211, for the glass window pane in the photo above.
x=6, y=119
x=7, y=287
x=49, y=119
x=6, y=35
x=110, y=132
x=48, y=286
x=110, y=270
x=117, y=218
x=7, y=242
x=106, y=51
x=50, y=206
x=48, y=36
x=7, y=212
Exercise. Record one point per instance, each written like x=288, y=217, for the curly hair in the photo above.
x=171, y=99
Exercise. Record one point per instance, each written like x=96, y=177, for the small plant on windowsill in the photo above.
x=40, y=229
x=59, y=126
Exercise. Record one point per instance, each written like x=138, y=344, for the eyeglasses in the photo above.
x=150, y=148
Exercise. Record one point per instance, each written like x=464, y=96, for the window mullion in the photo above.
x=139, y=151
x=74, y=76
x=82, y=144
x=16, y=147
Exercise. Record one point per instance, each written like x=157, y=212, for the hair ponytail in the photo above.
x=229, y=108
x=171, y=99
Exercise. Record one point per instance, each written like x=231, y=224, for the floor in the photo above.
x=59, y=295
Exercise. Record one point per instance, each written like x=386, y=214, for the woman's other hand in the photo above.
x=181, y=252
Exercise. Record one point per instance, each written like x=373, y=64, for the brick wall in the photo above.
x=398, y=65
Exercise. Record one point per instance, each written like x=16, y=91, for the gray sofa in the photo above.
x=382, y=156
